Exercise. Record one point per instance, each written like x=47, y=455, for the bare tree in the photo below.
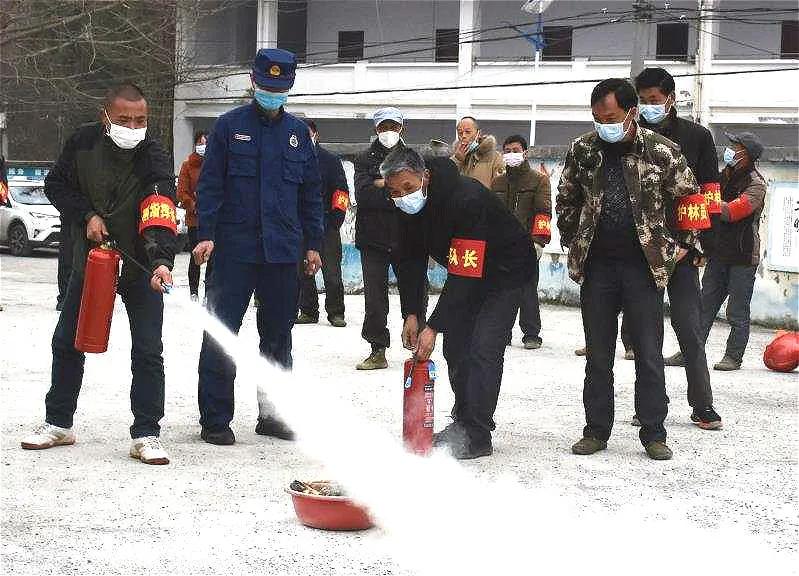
x=57, y=59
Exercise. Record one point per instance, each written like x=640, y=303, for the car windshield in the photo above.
x=29, y=194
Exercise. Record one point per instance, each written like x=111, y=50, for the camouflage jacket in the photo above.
x=655, y=172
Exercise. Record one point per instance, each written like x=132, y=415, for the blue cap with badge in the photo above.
x=274, y=69
x=390, y=113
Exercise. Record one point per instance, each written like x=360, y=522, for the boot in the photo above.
x=532, y=342
x=675, y=360
x=727, y=364
x=304, y=318
x=658, y=451
x=588, y=445
x=224, y=437
x=337, y=321
x=375, y=361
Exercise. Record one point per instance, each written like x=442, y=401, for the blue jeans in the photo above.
x=145, y=308
x=276, y=286
x=722, y=281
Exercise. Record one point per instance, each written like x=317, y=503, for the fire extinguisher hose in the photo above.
x=142, y=267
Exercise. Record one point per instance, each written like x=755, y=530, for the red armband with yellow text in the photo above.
x=739, y=208
x=692, y=213
x=712, y=193
x=542, y=226
x=341, y=201
x=466, y=257
x=157, y=210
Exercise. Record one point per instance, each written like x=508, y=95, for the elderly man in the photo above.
x=489, y=259
x=376, y=233
x=104, y=182
x=259, y=201
x=616, y=195
x=733, y=261
x=476, y=154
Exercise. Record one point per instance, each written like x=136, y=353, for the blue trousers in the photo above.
x=276, y=287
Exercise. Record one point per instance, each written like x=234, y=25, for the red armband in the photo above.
x=341, y=201
x=466, y=257
x=542, y=226
x=712, y=192
x=157, y=210
x=739, y=208
x=692, y=213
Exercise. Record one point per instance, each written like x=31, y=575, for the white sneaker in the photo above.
x=148, y=449
x=47, y=436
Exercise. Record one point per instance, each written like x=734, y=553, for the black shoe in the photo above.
x=727, y=364
x=706, y=418
x=453, y=432
x=674, y=360
x=337, y=321
x=224, y=437
x=271, y=426
x=532, y=342
x=471, y=450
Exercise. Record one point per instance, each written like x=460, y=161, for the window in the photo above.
x=350, y=46
x=672, y=43
x=558, y=43
x=447, y=45
x=292, y=27
x=789, y=47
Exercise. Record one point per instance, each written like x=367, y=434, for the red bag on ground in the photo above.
x=782, y=355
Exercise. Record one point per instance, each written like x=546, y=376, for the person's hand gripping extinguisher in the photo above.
x=96, y=231
x=421, y=343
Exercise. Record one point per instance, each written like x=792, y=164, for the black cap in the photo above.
x=753, y=145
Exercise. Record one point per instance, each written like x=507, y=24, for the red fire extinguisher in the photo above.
x=417, y=406
x=97, y=301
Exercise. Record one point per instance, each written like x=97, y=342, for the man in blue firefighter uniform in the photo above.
x=259, y=197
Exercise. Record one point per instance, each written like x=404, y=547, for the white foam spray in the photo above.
x=440, y=519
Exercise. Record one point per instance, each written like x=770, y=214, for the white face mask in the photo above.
x=412, y=203
x=389, y=139
x=513, y=159
x=124, y=137
x=200, y=149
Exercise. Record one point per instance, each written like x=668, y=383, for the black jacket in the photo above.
x=151, y=171
x=376, y=218
x=333, y=178
x=460, y=215
x=695, y=142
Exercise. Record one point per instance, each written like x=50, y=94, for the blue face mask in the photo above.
x=411, y=203
x=269, y=100
x=611, y=132
x=729, y=157
x=653, y=113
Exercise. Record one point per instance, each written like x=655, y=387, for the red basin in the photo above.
x=329, y=512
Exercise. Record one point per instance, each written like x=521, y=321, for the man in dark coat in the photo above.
x=460, y=224
x=335, y=201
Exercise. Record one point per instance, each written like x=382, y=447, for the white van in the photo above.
x=27, y=219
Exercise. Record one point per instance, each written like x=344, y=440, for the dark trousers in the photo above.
x=610, y=287
x=331, y=272
x=685, y=303
x=64, y=259
x=145, y=308
x=530, y=311
x=722, y=281
x=275, y=286
x=374, y=264
x=474, y=348
x=194, y=268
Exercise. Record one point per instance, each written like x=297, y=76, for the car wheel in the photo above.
x=18, y=241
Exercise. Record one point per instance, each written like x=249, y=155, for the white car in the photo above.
x=28, y=220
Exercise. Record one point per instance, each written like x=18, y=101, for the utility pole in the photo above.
x=704, y=55
x=643, y=14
